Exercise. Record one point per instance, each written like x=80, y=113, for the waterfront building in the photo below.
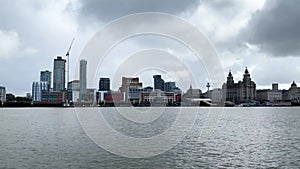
x=159, y=83
x=240, y=92
x=192, y=93
x=189, y=95
x=59, y=73
x=130, y=81
x=129, y=85
x=44, y=86
x=104, y=84
x=293, y=93
x=112, y=97
x=90, y=96
x=170, y=86
x=148, y=89
x=134, y=93
x=37, y=90
x=100, y=96
x=216, y=95
x=104, y=87
x=73, y=90
x=2, y=94
x=83, y=78
x=28, y=96
x=158, y=97
x=267, y=95
x=275, y=86
x=74, y=85
x=46, y=77
x=54, y=97
x=285, y=95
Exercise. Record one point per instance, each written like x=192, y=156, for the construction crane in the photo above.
x=68, y=59
x=68, y=65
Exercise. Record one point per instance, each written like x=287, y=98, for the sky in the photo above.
x=262, y=35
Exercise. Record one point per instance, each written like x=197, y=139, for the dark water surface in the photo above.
x=243, y=137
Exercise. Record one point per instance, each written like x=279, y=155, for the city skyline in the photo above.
x=237, y=30
x=45, y=76
x=132, y=90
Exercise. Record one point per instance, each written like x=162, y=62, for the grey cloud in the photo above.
x=105, y=10
x=224, y=6
x=32, y=34
x=275, y=29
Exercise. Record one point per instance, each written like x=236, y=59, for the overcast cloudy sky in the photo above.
x=260, y=34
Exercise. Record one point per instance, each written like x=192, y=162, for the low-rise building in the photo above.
x=158, y=97
x=91, y=95
x=269, y=95
x=134, y=93
x=53, y=97
x=191, y=94
x=130, y=81
x=216, y=96
x=113, y=97
x=292, y=94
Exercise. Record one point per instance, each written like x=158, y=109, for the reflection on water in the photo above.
x=244, y=137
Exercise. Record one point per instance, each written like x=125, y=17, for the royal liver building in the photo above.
x=240, y=92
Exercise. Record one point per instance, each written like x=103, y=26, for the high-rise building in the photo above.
x=37, y=89
x=82, y=78
x=159, y=83
x=59, y=73
x=2, y=94
x=104, y=84
x=46, y=77
x=44, y=86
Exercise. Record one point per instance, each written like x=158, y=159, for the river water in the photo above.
x=241, y=137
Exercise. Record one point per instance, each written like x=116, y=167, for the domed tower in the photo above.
x=247, y=77
x=293, y=86
x=229, y=89
x=294, y=93
x=230, y=80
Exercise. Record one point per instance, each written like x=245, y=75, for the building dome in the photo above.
x=229, y=74
x=246, y=71
x=294, y=84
